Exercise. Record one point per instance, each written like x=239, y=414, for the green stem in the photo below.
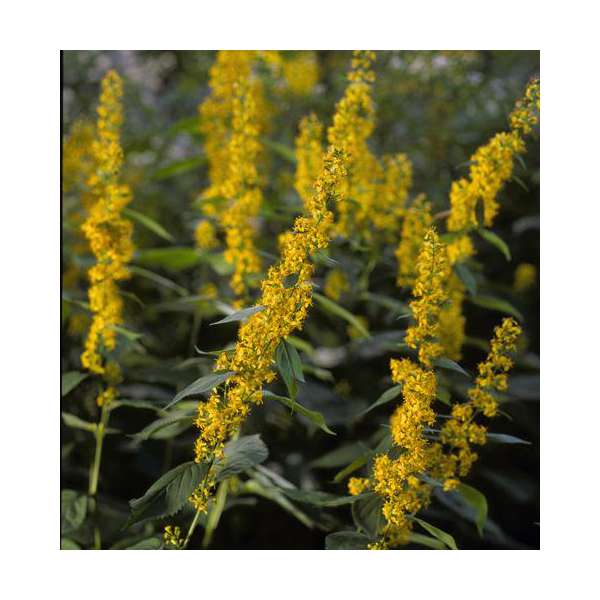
x=191, y=529
x=215, y=513
x=95, y=471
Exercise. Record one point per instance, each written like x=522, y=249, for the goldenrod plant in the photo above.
x=300, y=300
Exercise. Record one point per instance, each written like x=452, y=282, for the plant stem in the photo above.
x=191, y=529
x=95, y=470
x=215, y=513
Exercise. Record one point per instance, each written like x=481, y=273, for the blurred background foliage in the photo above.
x=437, y=107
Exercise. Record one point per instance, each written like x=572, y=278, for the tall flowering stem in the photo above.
x=232, y=119
x=491, y=167
x=375, y=193
x=285, y=310
x=109, y=235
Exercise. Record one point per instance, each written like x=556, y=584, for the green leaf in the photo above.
x=441, y=535
x=201, y=386
x=386, y=397
x=301, y=344
x=282, y=150
x=76, y=423
x=73, y=509
x=67, y=544
x=335, y=309
x=168, y=494
x=176, y=258
x=69, y=381
x=496, y=241
x=322, y=498
x=152, y=543
x=443, y=395
x=464, y=274
x=520, y=182
x=312, y=415
x=240, y=455
x=339, y=457
x=347, y=540
x=240, y=315
x=173, y=424
x=503, y=438
x=179, y=167
x=479, y=503
x=148, y=223
x=446, y=363
x=289, y=366
x=396, y=306
x=425, y=540
x=367, y=514
x=498, y=304
x=159, y=279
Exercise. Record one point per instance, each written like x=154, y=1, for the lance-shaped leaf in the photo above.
x=201, y=386
x=240, y=455
x=312, y=415
x=240, y=315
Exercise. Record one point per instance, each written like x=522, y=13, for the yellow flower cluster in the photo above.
x=336, y=284
x=232, y=120
x=309, y=156
x=77, y=159
x=525, y=115
x=285, y=309
x=301, y=72
x=417, y=220
x=491, y=167
x=451, y=320
x=108, y=233
x=398, y=480
x=430, y=294
x=205, y=235
x=525, y=277
x=172, y=536
x=460, y=431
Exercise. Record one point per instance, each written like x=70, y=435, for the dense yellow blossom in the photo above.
x=309, y=156
x=460, y=432
x=417, y=220
x=108, y=233
x=397, y=480
x=232, y=120
x=358, y=485
x=77, y=157
x=430, y=293
x=285, y=309
x=205, y=235
x=525, y=277
x=336, y=284
x=491, y=167
x=301, y=72
x=375, y=191
x=451, y=319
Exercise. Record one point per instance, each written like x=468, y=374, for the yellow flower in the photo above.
x=417, y=221
x=357, y=485
x=232, y=120
x=460, y=431
x=301, y=72
x=108, y=233
x=429, y=294
x=451, y=320
x=309, y=154
x=205, y=235
x=172, y=536
x=525, y=277
x=491, y=167
x=77, y=158
x=285, y=309
x=336, y=284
